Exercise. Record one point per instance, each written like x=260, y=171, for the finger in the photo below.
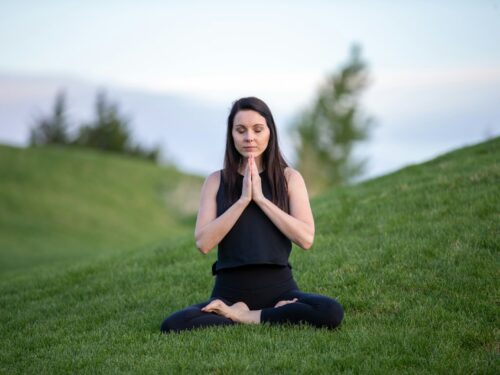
x=250, y=169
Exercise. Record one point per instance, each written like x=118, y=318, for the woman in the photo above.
x=252, y=210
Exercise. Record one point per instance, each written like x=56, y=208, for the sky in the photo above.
x=434, y=67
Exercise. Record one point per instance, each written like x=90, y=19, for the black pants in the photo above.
x=260, y=287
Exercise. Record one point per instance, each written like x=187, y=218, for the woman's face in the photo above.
x=250, y=133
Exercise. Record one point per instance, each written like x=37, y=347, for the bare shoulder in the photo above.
x=213, y=177
x=212, y=181
x=295, y=181
x=293, y=176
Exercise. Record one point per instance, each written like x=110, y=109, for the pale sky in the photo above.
x=434, y=64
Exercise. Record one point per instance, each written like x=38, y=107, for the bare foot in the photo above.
x=282, y=303
x=236, y=312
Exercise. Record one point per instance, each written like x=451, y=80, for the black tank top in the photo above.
x=254, y=239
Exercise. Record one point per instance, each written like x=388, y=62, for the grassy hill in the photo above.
x=413, y=257
x=60, y=206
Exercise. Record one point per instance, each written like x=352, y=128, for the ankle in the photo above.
x=251, y=317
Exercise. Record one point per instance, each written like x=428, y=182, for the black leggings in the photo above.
x=260, y=287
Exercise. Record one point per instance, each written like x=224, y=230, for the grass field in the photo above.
x=413, y=257
x=60, y=206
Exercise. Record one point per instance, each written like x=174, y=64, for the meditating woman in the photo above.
x=253, y=209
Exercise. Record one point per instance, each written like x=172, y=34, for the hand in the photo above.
x=256, y=181
x=246, y=191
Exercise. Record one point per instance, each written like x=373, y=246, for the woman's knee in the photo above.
x=166, y=326
x=333, y=313
x=178, y=321
x=172, y=324
x=192, y=317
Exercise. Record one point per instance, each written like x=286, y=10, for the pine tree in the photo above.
x=52, y=129
x=108, y=131
x=326, y=133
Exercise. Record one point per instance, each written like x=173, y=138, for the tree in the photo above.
x=151, y=154
x=109, y=131
x=52, y=129
x=326, y=133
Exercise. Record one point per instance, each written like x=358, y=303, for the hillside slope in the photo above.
x=413, y=257
x=59, y=206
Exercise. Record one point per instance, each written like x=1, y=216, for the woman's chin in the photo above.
x=247, y=154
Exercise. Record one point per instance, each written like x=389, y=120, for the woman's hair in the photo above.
x=272, y=160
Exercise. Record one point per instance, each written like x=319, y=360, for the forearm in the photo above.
x=211, y=234
x=298, y=231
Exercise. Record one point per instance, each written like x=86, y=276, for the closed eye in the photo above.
x=242, y=129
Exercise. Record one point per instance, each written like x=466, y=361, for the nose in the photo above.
x=248, y=137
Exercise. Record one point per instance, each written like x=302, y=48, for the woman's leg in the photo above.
x=293, y=307
x=315, y=309
x=192, y=317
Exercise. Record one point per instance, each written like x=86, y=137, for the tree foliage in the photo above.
x=108, y=131
x=52, y=129
x=326, y=133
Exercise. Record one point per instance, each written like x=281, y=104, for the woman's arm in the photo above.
x=210, y=229
x=298, y=226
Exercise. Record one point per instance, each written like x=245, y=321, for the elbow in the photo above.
x=199, y=243
x=307, y=241
x=306, y=245
x=202, y=247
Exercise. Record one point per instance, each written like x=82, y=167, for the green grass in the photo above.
x=60, y=206
x=413, y=257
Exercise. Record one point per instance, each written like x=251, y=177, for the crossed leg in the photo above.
x=239, y=312
x=315, y=309
x=193, y=317
x=294, y=307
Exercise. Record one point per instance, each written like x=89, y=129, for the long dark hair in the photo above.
x=272, y=160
